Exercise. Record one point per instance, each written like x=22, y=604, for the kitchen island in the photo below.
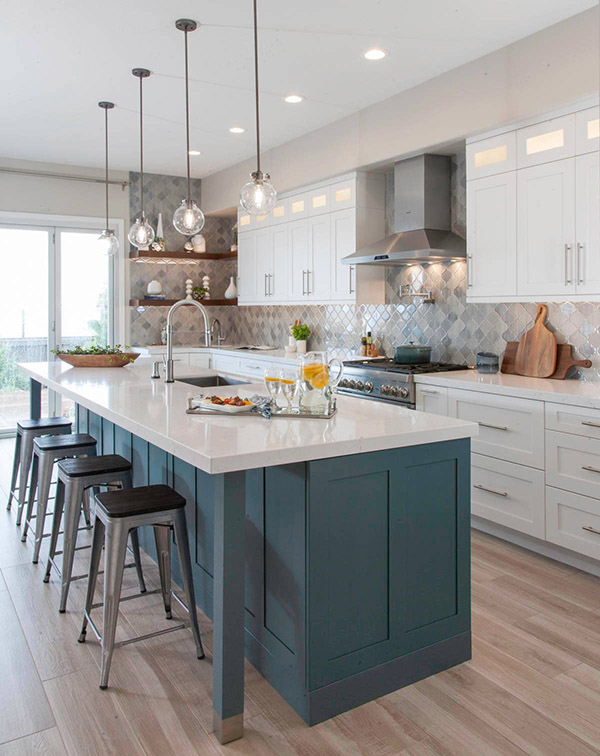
x=333, y=553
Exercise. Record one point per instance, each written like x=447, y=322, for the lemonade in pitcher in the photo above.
x=316, y=383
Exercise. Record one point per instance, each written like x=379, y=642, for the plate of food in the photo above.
x=231, y=404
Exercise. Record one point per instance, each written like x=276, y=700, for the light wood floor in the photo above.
x=533, y=686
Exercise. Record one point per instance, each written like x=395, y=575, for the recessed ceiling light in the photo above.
x=193, y=153
x=374, y=54
x=294, y=98
x=237, y=130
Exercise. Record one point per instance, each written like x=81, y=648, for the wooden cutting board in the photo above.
x=564, y=360
x=536, y=355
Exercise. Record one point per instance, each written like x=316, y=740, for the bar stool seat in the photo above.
x=46, y=451
x=27, y=430
x=117, y=512
x=76, y=477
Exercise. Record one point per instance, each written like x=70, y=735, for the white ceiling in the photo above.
x=58, y=58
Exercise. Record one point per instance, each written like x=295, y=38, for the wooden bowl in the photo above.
x=99, y=360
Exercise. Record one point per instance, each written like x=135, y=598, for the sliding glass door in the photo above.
x=59, y=291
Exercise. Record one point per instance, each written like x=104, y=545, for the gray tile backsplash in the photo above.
x=456, y=330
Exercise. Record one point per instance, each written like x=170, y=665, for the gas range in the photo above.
x=387, y=381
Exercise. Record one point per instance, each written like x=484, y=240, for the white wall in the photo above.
x=555, y=66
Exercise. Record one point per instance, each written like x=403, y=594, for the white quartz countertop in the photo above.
x=578, y=393
x=155, y=411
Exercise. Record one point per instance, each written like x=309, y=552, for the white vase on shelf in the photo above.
x=231, y=290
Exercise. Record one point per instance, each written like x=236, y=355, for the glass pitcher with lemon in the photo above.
x=318, y=379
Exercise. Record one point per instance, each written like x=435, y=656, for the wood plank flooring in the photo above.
x=533, y=686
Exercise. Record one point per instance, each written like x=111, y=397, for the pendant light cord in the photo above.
x=141, y=148
x=187, y=123
x=256, y=88
x=106, y=160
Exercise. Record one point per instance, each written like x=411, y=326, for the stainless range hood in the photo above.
x=422, y=217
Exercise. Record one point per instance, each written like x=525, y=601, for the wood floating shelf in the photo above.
x=152, y=255
x=171, y=302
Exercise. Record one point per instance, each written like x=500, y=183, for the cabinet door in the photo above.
x=298, y=259
x=587, y=223
x=488, y=157
x=343, y=243
x=433, y=399
x=246, y=268
x=587, y=127
x=245, y=221
x=280, y=213
x=546, y=141
x=319, y=201
x=343, y=195
x=262, y=221
x=319, y=257
x=546, y=229
x=279, y=282
x=492, y=236
x=298, y=206
x=263, y=261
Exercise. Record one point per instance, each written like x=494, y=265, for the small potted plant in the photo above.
x=301, y=334
x=199, y=292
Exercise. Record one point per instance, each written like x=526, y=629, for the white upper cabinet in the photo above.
x=280, y=213
x=246, y=282
x=343, y=195
x=587, y=214
x=587, y=130
x=298, y=259
x=319, y=201
x=319, y=258
x=280, y=275
x=262, y=221
x=546, y=141
x=487, y=157
x=546, y=229
x=343, y=243
x=298, y=206
x=263, y=262
x=245, y=221
x=492, y=235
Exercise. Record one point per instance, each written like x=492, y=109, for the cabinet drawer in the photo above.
x=226, y=364
x=433, y=399
x=491, y=156
x=578, y=420
x=201, y=360
x=511, y=495
x=509, y=428
x=254, y=368
x=573, y=521
x=573, y=463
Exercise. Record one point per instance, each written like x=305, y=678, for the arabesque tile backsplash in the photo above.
x=456, y=330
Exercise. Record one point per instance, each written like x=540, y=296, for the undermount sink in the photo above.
x=212, y=380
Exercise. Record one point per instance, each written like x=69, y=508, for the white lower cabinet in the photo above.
x=200, y=360
x=511, y=495
x=432, y=399
x=582, y=421
x=573, y=521
x=510, y=428
x=573, y=463
x=224, y=364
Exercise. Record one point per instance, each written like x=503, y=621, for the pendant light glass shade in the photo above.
x=188, y=219
x=141, y=234
x=107, y=239
x=259, y=195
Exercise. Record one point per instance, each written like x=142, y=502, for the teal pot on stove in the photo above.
x=412, y=354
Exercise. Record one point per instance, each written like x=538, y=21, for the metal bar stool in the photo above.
x=118, y=512
x=75, y=478
x=27, y=430
x=47, y=451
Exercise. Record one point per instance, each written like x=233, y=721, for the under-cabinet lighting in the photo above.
x=548, y=141
x=491, y=156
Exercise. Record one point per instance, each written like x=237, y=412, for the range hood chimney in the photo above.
x=422, y=217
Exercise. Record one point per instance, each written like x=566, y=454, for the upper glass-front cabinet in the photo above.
x=319, y=201
x=244, y=221
x=587, y=127
x=280, y=213
x=488, y=157
x=546, y=141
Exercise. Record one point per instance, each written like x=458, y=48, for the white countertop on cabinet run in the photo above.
x=155, y=411
x=578, y=393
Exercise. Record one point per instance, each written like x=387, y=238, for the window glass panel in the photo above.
x=593, y=129
x=342, y=195
x=489, y=157
x=549, y=141
x=298, y=206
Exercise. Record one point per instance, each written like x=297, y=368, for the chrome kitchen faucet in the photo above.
x=207, y=337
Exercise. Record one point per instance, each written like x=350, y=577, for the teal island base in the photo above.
x=357, y=568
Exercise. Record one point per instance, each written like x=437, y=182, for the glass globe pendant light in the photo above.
x=188, y=219
x=108, y=240
x=141, y=233
x=258, y=196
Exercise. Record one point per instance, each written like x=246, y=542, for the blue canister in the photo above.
x=487, y=362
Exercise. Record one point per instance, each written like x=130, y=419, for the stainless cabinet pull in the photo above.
x=266, y=292
x=429, y=391
x=580, y=276
x=303, y=283
x=270, y=284
x=350, y=276
x=590, y=529
x=589, y=468
x=495, y=427
x=308, y=275
x=590, y=423
x=490, y=490
x=567, y=256
x=469, y=281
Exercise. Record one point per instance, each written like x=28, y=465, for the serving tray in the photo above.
x=264, y=410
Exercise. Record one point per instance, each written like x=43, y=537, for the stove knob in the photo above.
x=343, y=384
x=351, y=384
x=394, y=391
x=360, y=385
x=368, y=387
x=404, y=393
x=385, y=389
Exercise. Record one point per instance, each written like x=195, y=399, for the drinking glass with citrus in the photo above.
x=288, y=381
x=272, y=383
x=316, y=381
